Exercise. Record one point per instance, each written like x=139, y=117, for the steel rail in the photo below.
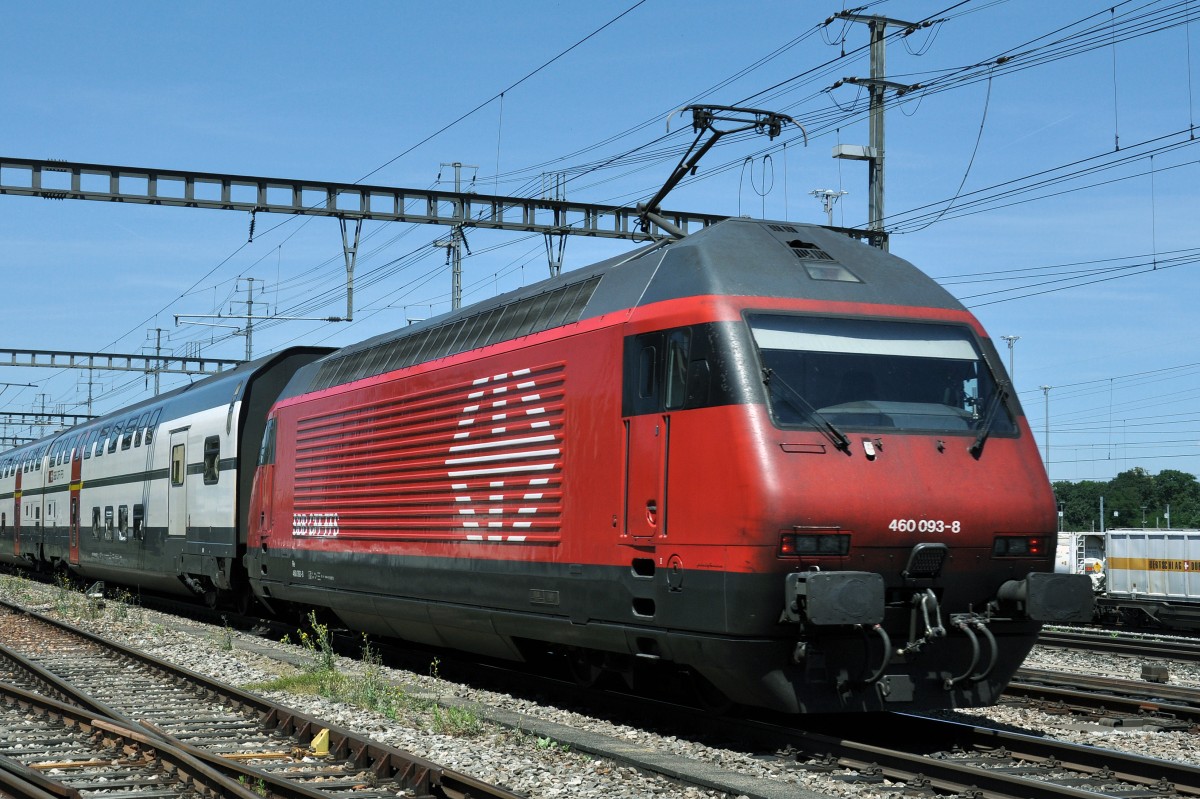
x=960, y=751
x=384, y=762
x=1122, y=644
x=197, y=776
x=1107, y=694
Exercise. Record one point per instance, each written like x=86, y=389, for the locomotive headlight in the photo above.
x=793, y=544
x=1019, y=546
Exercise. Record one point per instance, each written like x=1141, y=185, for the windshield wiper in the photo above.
x=985, y=427
x=837, y=437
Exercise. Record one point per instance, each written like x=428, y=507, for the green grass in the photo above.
x=368, y=688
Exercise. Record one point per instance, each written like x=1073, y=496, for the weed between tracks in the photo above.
x=368, y=688
x=65, y=597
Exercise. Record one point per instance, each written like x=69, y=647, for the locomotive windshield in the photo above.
x=867, y=373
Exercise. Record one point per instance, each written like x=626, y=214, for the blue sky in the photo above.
x=331, y=92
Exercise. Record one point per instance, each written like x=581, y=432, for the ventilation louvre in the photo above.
x=525, y=316
x=806, y=250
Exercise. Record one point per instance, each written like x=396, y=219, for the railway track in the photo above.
x=1116, y=702
x=49, y=748
x=953, y=758
x=911, y=753
x=1121, y=643
x=950, y=758
x=271, y=747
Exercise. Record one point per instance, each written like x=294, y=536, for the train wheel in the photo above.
x=708, y=696
x=239, y=600
x=243, y=600
x=585, y=671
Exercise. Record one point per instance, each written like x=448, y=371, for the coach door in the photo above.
x=177, y=485
x=73, y=519
x=17, y=513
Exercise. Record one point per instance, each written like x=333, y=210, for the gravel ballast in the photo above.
x=538, y=750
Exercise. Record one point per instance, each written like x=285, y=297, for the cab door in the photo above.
x=655, y=375
x=263, y=491
x=646, y=440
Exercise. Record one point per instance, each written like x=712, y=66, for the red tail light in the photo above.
x=1019, y=546
x=794, y=544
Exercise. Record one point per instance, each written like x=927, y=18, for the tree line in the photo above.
x=1133, y=498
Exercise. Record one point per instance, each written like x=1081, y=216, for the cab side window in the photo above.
x=678, y=347
x=681, y=368
x=266, y=454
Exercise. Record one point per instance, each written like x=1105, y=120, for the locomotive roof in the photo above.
x=734, y=257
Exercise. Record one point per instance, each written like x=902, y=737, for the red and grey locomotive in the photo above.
x=766, y=454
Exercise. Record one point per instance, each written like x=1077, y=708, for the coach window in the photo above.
x=108, y=522
x=127, y=438
x=123, y=522
x=141, y=428
x=212, y=460
x=139, y=520
x=3, y=521
x=116, y=436
x=95, y=522
x=100, y=439
x=150, y=427
x=177, y=469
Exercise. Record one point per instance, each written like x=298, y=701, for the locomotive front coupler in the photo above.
x=968, y=624
x=927, y=613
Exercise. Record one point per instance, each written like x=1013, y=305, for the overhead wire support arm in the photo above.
x=66, y=180
x=703, y=119
x=116, y=362
x=901, y=89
